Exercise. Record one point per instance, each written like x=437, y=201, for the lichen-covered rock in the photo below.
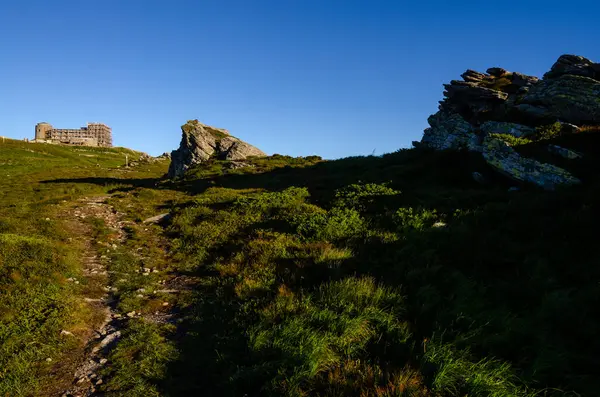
x=200, y=142
x=574, y=65
x=501, y=127
x=449, y=131
x=507, y=161
x=231, y=148
x=504, y=102
x=564, y=152
x=569, y=98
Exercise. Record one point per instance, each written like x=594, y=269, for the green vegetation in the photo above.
x=38, y=255
x=393, y=275
x=542, y=133
x=511, y=139
x=550, y=131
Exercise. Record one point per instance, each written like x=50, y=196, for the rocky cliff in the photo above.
x=481, y=107
x=200, y=142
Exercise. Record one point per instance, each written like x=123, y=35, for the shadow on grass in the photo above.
x=148, y=183
x=513, y=276
x=503, y=282
x=404, y=170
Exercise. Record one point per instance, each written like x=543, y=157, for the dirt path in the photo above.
x=107, y=324
x=134, y=255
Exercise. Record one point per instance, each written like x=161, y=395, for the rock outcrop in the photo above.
x=510, y=103
x=201, y=142
x=507, y=161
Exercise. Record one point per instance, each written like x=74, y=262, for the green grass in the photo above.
x=139, y=360
x=511, y=139
x=483, y=274
x=393, y=275
x=38, y=255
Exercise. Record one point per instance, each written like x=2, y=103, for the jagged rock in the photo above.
x=512, y=103
x=506, y=160
x=497, y=72
x=200, y=142
x=473, y=76
x=449, y=131
x=568, y=128
x=233, y=149
x=564, y=152
x=472, y=99
x=522, y=80
x=534, y=114
x=158, y=218
x=500, y=127
x=574, y=65
x=569, y=98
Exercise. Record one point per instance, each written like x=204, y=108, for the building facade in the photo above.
x=95, y=134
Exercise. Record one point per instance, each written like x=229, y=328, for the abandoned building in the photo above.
x=95, y=134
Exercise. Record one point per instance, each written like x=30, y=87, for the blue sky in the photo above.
x=299, y=77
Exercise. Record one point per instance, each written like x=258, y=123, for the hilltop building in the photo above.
x=95, y=134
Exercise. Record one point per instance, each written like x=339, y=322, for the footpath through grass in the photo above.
x=38, y=254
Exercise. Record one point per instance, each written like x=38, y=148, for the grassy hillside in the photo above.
x=395, y=275
x=38, y=254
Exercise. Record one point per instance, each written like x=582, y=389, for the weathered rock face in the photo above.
x=449, y=131
x=507, y=161
x=564, y=152
x=503, y=102
x=571, y=98
x=200, y=142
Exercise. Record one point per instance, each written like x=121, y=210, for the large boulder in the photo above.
x=503, y=102
x=574, y=65
x=508, y=162
x=571, y=98
x=200, y=142
x=449, y=131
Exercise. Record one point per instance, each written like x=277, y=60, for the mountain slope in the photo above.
x=41, y=256
x=373, y=276
x=393, y=275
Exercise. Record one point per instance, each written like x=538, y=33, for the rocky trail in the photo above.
x=102, y=283
x=95, y=264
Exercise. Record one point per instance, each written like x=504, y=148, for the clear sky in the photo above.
x=299, y=77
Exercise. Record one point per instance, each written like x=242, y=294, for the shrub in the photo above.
x=419, y=219
x=549, y=131
x=265, y=201
x=511, y=139
x=359, y=196
x=333, y=225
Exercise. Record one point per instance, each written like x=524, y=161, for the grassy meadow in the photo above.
x=393, y=275
x=38, y=254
